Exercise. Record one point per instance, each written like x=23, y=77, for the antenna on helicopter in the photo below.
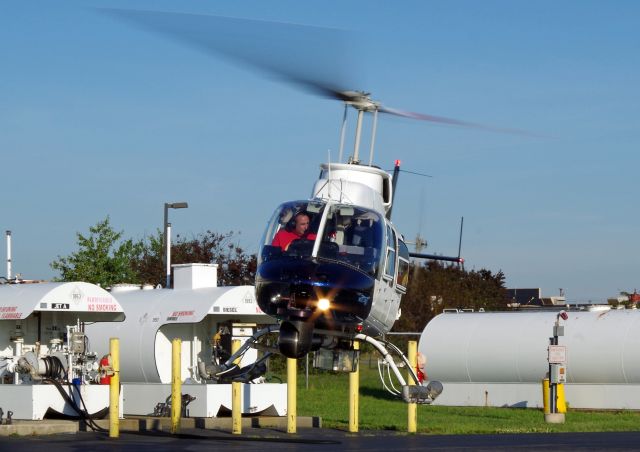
x=394, y=182
x=420, y=243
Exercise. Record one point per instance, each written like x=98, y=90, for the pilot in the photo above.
x=284, y=237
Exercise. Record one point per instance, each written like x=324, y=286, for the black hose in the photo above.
x=53, y=367
x=83, y=414
x=89, y=419
x=47, y=372
x=64, y=395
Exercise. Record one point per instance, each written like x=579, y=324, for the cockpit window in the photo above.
x=292, y=230
x=390, y=267
x=352, y=235
x=349, y=234
x=403, y=264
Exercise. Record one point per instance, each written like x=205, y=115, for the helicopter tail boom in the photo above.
x=435, y=257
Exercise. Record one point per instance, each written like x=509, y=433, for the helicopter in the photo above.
x=339, y=277
x=347, y=273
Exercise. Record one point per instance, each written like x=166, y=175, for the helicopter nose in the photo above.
x=293, y=290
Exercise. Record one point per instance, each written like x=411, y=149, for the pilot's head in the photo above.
x=302, y=223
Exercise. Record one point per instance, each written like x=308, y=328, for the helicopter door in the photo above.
x=396, y=269
x=402, y=278
x=390, y=262
x=392, y=292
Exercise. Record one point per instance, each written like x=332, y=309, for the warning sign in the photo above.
x=557, y=354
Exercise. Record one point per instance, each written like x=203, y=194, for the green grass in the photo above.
x=327, y=397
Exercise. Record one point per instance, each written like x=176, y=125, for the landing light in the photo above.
x=323, y=304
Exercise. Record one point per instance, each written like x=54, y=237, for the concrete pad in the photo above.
x=281, y=422
x=224, y=423
x=126, y=425
x=45, y=427
x=148, y=423
x=554, y=418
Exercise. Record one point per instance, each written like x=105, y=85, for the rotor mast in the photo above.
x=362, y=102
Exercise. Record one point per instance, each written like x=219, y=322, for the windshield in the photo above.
x=349, y=234
x=353, y=235
x=292, y=230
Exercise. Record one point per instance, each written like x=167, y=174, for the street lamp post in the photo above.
x=167, y=238
x=8, y=255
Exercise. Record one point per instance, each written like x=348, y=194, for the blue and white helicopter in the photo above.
x=345, y=275
x=340, y=281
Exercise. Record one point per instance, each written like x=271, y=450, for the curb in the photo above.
x=147, y=423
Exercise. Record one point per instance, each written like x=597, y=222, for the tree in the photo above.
x=434, y=287
x=235, y=266
x=102, y=258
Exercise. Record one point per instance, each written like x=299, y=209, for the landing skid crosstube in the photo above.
x=415, y=393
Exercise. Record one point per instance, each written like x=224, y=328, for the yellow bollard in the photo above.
x=546, y=406
x=236, y=396
x=114, y=389
x=412, y=409
x=561, y=402
x=354, y=394
x=176, y=385
x=292, y=382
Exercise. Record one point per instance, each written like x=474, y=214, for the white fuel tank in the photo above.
x=602, y=346
x=41, y=324
x=156, y=317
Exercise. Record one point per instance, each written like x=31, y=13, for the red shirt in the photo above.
x=284, y=238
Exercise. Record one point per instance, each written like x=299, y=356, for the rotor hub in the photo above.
x=360, y=100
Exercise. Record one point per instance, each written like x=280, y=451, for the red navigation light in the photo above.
x=398, y=162
x=359, y=328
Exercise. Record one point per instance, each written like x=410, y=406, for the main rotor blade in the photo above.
x=450, y=121
x=316, y=59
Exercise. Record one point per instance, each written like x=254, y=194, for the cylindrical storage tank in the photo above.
x=156, y=317
x=602, y=346
x=119, y=288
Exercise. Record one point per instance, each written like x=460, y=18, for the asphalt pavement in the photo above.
x=314, y=439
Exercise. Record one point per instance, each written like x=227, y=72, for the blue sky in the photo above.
x=101, y=118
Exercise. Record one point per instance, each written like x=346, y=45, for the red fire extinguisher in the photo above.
x=105, y=365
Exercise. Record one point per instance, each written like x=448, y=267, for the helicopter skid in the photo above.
x=336, y=343
x=416, y=393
